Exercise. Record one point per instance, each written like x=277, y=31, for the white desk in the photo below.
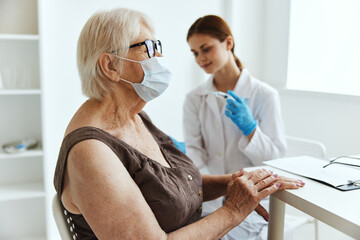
x=339, y=209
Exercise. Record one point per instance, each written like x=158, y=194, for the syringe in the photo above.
x=221, y=95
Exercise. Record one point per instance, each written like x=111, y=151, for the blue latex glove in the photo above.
x=240, y=113
x=179, y=145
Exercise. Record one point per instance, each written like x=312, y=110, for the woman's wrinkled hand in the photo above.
x=286, y=183
x=247, y=189
x=289, y=183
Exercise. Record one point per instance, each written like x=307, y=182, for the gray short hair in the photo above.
x=105, y=31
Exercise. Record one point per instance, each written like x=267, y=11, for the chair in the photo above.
x=58, y=213
x=298, y=147
x=301, y=146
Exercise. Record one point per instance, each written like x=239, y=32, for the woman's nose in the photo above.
x=202, y=57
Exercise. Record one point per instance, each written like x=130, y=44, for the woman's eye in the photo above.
x=195, y=54
x=205, y=50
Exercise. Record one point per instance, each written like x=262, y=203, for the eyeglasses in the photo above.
x=151, y=46
x=343, y=163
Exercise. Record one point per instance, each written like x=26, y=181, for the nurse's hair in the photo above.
x=215, y=27
x=106, y=31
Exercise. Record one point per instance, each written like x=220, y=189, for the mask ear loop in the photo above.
x=127, y=60
x=126, y=81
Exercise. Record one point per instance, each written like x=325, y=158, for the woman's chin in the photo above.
x=208, y=70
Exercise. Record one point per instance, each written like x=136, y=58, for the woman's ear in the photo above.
x=229, y=42
x=106, y=61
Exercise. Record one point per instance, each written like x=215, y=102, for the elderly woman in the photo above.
x=120, y=177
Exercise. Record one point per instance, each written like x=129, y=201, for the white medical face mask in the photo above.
x=156, y=80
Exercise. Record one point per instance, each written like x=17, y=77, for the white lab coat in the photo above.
x=214, y=142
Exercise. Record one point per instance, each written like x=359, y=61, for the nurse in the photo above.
x=239, y=129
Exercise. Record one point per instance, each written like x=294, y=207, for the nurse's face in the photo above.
x=210, y=54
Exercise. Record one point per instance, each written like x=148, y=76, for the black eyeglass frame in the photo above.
x=347, y=164
x=155, y=46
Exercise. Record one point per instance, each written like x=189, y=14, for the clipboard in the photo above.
x=341, y=177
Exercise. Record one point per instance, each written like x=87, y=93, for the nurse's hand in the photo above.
x=240, y=113
x=246, y=190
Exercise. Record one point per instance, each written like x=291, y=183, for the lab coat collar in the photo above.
x=205, y=90
x=242, y=87
x=206, y=87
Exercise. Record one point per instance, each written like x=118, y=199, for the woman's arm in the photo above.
x=214, y=186
x=99, y=186
x=268, y=139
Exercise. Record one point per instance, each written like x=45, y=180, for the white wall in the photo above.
x=276, y=41
x=330, y=118
x=60, y=25
x=329, y=32
x=247, y=26
x=261, y=32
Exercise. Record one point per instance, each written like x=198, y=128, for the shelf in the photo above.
x=23, y=207
x=22, y=37
x=20, y=92
x=21, y=191
x=32, y=238
x=27, y=154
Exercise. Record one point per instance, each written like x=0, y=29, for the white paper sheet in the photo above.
x=335, y=174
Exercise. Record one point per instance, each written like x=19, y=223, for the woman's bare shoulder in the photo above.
x=86, y=115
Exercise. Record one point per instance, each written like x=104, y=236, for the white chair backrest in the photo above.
x=58, y=214
x=301, y=146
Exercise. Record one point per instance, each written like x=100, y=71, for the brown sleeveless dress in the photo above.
x=174, y=194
